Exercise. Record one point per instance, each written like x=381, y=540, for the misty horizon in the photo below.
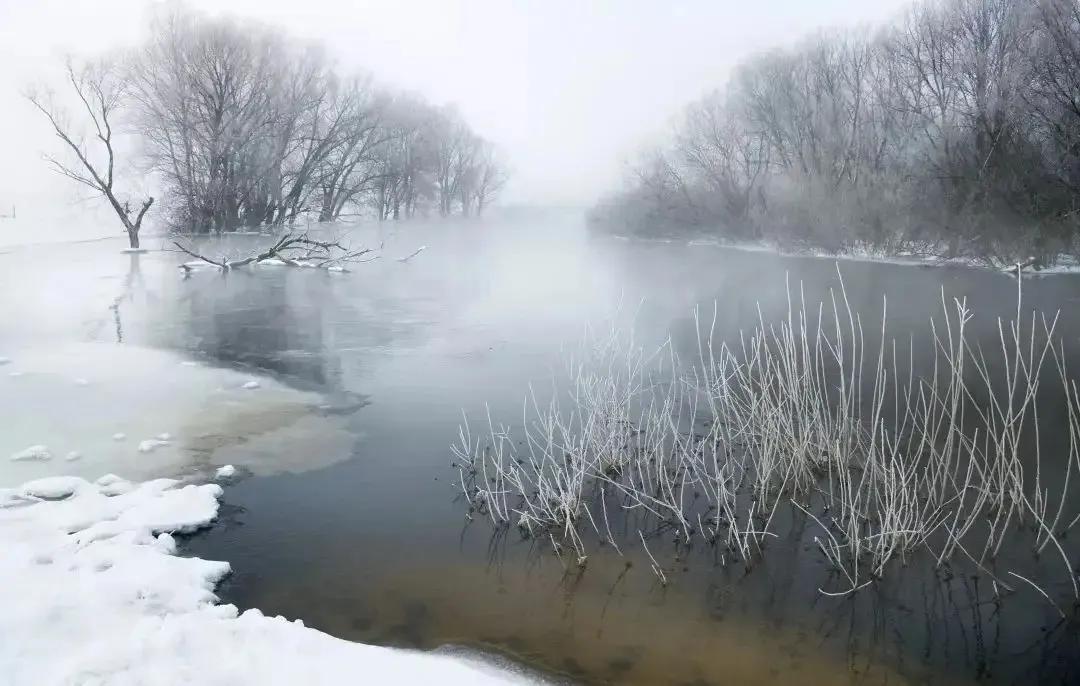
x=569, y=94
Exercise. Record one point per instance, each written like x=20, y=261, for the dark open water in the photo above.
x=375, y=548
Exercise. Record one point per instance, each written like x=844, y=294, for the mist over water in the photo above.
x=352, y=519
x=610, y=343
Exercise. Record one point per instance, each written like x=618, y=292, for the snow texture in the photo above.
x=35, y=453
x=152, y=444
x=93, y=593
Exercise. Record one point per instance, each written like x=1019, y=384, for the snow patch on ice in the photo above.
x=73, y=455
x=119, y=436
x=251, y=385
x=94, y=593
x=52, y=487
x=37, y=453
x=225, y=472
x=152, y=444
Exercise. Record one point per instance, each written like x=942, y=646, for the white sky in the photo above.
x=569, y=89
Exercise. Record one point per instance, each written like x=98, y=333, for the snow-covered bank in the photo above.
x=1065, y=264
x=92, y=592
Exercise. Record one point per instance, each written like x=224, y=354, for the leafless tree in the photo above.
x=955, y=129
x=491, y=176
x=101, y=91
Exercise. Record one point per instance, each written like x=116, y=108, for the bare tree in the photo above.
x=490, y=177
x=101, y=91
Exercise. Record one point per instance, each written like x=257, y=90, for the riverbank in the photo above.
x=94, y=592
x=1064, y=264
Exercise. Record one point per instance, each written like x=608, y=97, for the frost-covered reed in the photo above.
x=886, y=459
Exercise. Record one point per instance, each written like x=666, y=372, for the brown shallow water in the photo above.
x=361, y=533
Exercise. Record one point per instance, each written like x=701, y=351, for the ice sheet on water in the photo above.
x=146, y=394
x=95, y=588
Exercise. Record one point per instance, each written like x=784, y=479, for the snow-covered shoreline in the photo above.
x=93, y=592
x=1065, y=266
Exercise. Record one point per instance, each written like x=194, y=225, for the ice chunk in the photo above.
x=53, y=487
x=151, y=444
x=164, y=437
x=225, y=472
x=35, y=453
x=251, y=385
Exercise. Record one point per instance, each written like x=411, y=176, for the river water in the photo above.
x=347, y=513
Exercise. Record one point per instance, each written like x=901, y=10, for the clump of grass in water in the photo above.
x=795, y=414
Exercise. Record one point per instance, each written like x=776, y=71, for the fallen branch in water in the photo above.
x=291, y=251
x=413, y=254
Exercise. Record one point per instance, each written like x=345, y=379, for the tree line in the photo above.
x=243, y=127
x=953, y=130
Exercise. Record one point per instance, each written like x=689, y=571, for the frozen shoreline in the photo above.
x=1066, y=265
x=92, y=591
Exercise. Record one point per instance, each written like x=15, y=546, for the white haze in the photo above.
x=568, y=89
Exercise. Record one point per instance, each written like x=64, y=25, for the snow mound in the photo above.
x=52, y=487
x=93, y=592
x=225, y=472
x=152, y=444
x=33, y=453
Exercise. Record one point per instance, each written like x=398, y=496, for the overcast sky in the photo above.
x=568, y=88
